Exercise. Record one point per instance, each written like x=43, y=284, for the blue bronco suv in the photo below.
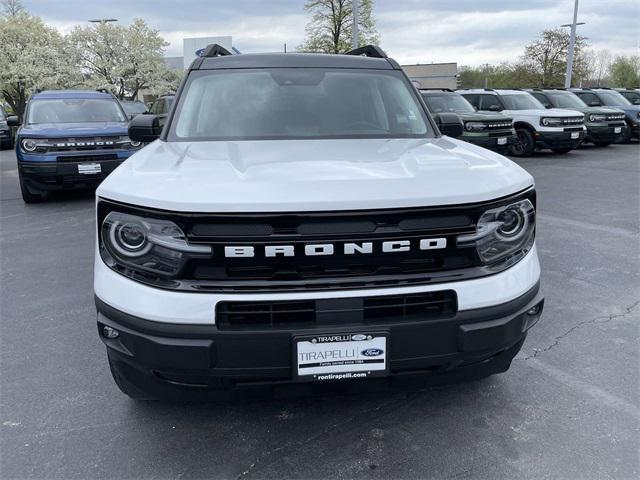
x=70, y=139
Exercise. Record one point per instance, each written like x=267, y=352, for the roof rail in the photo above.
x=215, y=50
x=368, y=51
x=435, y=88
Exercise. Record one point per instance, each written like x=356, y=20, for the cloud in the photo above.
x=470, y=32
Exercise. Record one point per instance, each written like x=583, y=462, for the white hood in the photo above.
x=311, y=175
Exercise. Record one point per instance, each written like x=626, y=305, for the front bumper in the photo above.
x=491, y=142
x=605, y=133
x=55, y=175
x=556, y=140
x=169, y=357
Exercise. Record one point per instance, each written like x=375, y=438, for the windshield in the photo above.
x=288, y=103
x=74, y=110
x=613, y=99
x=565, y=100
x=633, y=97
x=132, y=108
x=521, y=101
x=447, y=103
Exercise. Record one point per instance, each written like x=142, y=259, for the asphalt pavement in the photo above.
x=569, y=407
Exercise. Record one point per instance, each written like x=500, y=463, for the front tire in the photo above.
x=561, y=151
x=27, y=195
x=524, y=145
x=6, y=145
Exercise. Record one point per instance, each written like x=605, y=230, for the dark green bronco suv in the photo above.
x=489, y=130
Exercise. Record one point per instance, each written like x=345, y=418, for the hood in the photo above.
x=312, y=175
x=482, y=116
x=544, y=112
x=631, y=110
x=74, y=129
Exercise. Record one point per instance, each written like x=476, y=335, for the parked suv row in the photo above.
x=605, y=125
x=560, y=130
x=607, y=97
x=487, y=129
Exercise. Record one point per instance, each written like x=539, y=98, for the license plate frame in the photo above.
x=617, y=130
x=89, y=168
x=575, y=135
x=350, y=364
x=502, y=140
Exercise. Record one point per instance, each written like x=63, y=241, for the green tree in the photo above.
x=625, y=71
x=331, y=24
x=123, y=59
x=546, y=58
x=32, y=56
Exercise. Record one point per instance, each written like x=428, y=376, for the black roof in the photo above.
x=293, y=60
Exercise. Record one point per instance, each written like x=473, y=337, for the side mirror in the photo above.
x=548, y=107
x=593, y=103
x=495, y=108
x=450, y=124
x=636, y=101
x=144, y=128
x=13, y=121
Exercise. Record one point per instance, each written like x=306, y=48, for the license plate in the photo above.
x=575, y=135
x=502, y=141
x=617, y=130
x=340, y=356
x=89, y=168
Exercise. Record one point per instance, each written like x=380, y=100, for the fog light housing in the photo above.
x=109, y=332
x=534, y=310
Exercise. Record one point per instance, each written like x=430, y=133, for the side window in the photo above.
x=490, y=102
x=542, y=98
x=473, y=99
x=590, y=99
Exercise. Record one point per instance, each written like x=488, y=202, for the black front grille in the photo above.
x=499, y=125
x=82, y=144
x=363, y=311
x=572, y=120
x=343, y=268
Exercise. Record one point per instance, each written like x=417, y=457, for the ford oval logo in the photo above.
x=358, y=337
x=372, y=352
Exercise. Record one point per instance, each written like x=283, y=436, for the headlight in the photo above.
x=504, y=232
x=474, y=126
x=597, y=118
x=126, y=142
x=550, y=122
x=138, y=245
x=29, y=144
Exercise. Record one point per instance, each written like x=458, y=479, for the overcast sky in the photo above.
x=470, y=32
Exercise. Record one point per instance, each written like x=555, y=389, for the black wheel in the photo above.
x=562, y=151
x=27, y=195
x=602, y=144
x=524, y=145
x=6, y=145
x=125, y=386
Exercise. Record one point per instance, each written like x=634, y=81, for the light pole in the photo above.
x=355, y=37
x=572, y=44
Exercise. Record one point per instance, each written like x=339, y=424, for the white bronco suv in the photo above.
x=557, y=129
x=300, y=220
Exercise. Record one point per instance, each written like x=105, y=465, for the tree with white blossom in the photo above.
x=32, y=57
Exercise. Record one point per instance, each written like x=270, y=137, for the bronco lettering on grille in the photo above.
x=310, y=250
